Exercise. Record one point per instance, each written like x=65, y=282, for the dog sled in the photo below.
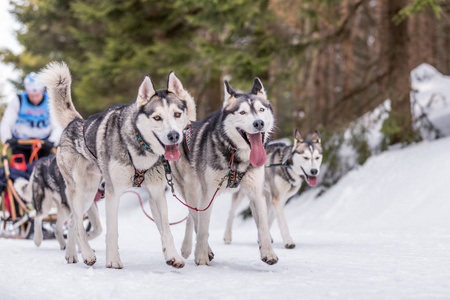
x=17, y=216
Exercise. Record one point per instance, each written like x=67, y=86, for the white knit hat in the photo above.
x=31, y=85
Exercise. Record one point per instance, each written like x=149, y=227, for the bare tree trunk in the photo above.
x=399, y=126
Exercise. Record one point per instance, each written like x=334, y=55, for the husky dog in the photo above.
x=124, y=145
x=46, y=185
x=286, y=169
x=227, y=144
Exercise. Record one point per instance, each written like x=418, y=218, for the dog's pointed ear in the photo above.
x=297, y=139
x=316, y=137
x=146, y=91
x=228, y=93
x=298, y=136
x=175, y=86
x=258, y=89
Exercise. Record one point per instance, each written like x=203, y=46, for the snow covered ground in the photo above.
x=383, y=232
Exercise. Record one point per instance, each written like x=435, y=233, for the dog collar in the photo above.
x=143, y=143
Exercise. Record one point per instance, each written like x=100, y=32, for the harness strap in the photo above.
x=146, y=214
x=279, y=165
x=285, y=167
x=139, y=176
x=234, y=178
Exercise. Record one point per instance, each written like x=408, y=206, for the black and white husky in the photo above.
x=288, y=167
x=124, y=145
x=45, y=187
x=227, y=146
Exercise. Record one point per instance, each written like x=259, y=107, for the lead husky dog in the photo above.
x=46, y=185
x=227, y=144
x=287, y=168
x=123, y=145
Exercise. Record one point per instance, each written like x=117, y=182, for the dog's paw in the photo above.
x=227, y=239
x=90, y=261
x=37, y=241
x=270, y=260
x=114, y=264
x=202, y=261
x=210, y=255
x=289, y=246
x=71, y=259
x=89, y=257
x=186, y=251
x=176, y=263
x=202, y=258
x=269, y=257
x=62, y=247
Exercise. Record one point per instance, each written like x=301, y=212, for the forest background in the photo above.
x=324, y=63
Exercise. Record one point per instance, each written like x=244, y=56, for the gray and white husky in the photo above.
x=226, y=145
x=287, y=167
x=45, y=187
x=124, y=145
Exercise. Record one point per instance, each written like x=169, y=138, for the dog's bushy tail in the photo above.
x=23, y=188
x=56, y=77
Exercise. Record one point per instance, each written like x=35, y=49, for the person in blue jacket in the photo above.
x=27, y=116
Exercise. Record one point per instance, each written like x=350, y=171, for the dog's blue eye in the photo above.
x=157, y=118
x=177, y=115
x=242, y=112
x=261, y=109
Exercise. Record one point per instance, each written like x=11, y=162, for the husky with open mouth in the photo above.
x=287, y=168
x=226, y=147
x=125, y=145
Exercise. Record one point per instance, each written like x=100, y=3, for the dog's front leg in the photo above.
x=203, y=253
x=278, y=205
x=259, y=211
x=158, y=205
x=254, y=188
x=112, y=235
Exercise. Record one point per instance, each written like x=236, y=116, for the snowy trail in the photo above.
x=383, y=232
x=323, y=266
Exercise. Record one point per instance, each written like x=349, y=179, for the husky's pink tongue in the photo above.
x=312, y=180
x=98, y=196
x=172, y=152
x=257, y=153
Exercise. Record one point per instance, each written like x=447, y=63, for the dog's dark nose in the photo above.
x=313, y=171
x=173, y=136
x=258, y=124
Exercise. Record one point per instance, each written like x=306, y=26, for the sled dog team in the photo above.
x=139, y=145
